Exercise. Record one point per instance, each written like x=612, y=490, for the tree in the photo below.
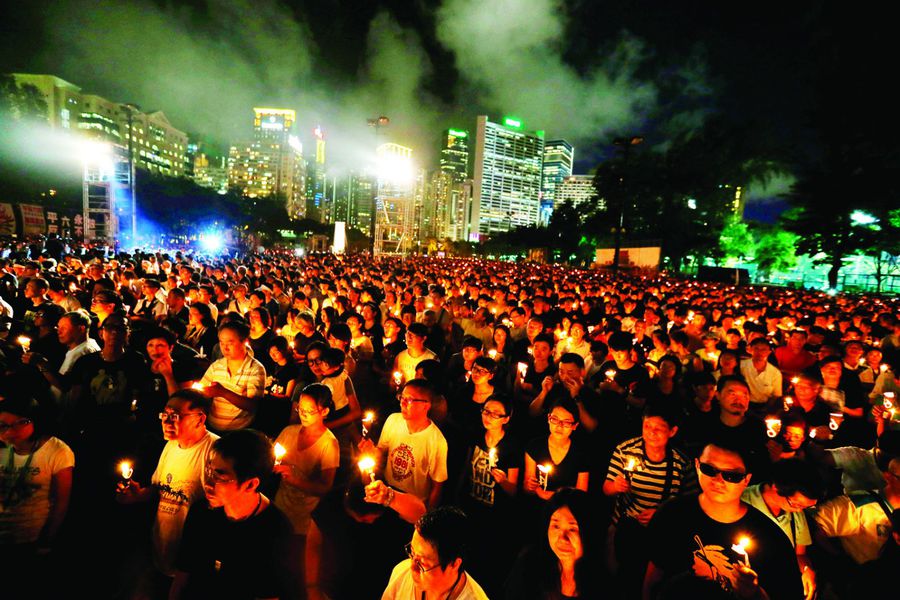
x=736, y=240
x=21, y=102
x=776, y=249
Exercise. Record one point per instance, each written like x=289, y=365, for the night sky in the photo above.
x=585, y=71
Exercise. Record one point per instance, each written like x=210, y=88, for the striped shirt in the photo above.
x=648, y=478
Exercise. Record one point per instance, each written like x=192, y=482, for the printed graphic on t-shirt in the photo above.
x=16, y=487
x=172, y=498
x=711, y=562
x=108, y=388
x=402, y=462
x=482, y=481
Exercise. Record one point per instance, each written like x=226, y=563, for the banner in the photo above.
x=7, y=220
x=32, y=219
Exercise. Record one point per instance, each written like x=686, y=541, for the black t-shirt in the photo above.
x=749, y=435
x=481, y=489
x=234, y=559
x=683, y=539
x=110, y=386
x=564, y=474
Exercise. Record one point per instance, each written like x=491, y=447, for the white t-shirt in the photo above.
x=401, y=586
x=413, y=458
x=763, y=386
x=406, y=364
x=309, y=463
x=859, y=471
x=179, y=480
x=25, y=498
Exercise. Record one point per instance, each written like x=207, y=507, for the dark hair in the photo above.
x=470, y=341
x=587, y=568
x=321, y=393
x=570, y=358
x=240, y=328
x=264, y=316
x=424, y=385
x=196, y=398
x=543, y=337
x=726, y=379
x=503, y=399
x=619, y=341
x=729, y=444
x=674, y=360
x=206, y=317
x=418, y=329
x=281, y=344
x=25, y=406
x=794, y=475
x=563, y=400
x=447, y=529
x=333, y=357
x=78, y=318
x=250, y=453
x=485, y=362
x=340, y=332
x=160, y=333
x=667, y=411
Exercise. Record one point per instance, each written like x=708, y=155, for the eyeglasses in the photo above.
x=314, y=361
x=404, y=399
x=15, y=424
x=796, y=506
x=214, y=477
x=491, y=414
x=308, y=413
x=481, y=370
x=417, y=562
x=174, y=417
x=554, y=420
x=729, y=476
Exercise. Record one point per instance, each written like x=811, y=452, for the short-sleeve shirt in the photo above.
x=565, y=473
x=308, y=464
x=793, y=524
x=861, y=522
x=401, y=585
x=249, y=380
x=413, y=459
x=234, y=559
x=684, y=541
x=25, y=496
x=859, y=472
x=482, y=488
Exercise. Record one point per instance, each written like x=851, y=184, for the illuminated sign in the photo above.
x=270, y=125
x=510, y=122
x=457, y=133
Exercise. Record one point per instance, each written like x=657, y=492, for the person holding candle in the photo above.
x=235, y=543
x=177, y=482
x=469, y=399
x=415, y=351
x=489, y=484
x=35, y=488
x=558, y=450
x=691, y=536
x=567, y=562
x=236, y=382
x=307, y=469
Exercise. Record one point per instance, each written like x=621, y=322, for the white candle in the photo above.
x=25, y=342
x=544, y=475
x=366, y=466
x=523, y=369
x=492, y=458
x=280, y=451
x=773, y=426
x=741, y=549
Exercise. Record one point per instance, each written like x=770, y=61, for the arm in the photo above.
x=509, y=481
x=807, y=574
x=408, y=506
x=583, y=480
x=537, y=405
x=434, y=496
x=530, y=482
x=217, y=390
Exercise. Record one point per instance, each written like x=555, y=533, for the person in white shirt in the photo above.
x=72, y=331
x=763, y=378
x=435, y=567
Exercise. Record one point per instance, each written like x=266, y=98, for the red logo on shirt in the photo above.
x=402, y=462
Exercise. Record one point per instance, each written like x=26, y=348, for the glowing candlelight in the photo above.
x=492, y=353
x=492, y=458
x=788, y=403
x=544, y=475
x=280, y=451
x=468, y=376
x=835, y=420
x=523, y=369
x=773, y=426
x=888, y=401
x=741, y=549
x=134, y=405
x=291, y=344
x=24, y=341
x=367, y=421
x=531, y=350
x=278, y=331
x=197, y=386
x=506, y=322
x=398, y=377
x=126, y=470
x=632, y=463
x=610, y=374
x=862, y=362
x=366, y=466
x=385, y=341
x=884, y=367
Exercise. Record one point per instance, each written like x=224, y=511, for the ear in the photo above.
x=325, y=412
x=673, y=432
x=251, y=485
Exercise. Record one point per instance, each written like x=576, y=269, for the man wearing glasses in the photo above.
x=434, y=569
x=414, y=447
x=701, y=537
x=178, y=479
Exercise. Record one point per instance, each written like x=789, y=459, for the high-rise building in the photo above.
x=316, y=187
x=395, y=222
x=455, y=153
x=157, y=146
x=559, y=157
x=507, y=186
x=272, y=163
x=576, y=189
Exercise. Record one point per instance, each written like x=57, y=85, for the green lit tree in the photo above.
x=736, y=240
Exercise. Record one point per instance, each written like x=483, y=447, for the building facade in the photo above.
x=576, y=189
x=507, y=182
x=559, y=156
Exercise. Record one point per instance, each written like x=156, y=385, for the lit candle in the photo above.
x=523, y=369
x=25, y=342
x=741, y=549
x=278, y=331
x=773, y=426
x=126, y=470
x=492, y=458
x=610, y=374
x=368, y=420
x=795, y=380
x=385, y=341
x=492, y=353
x=398, y=377
x=134, y=405
x=884, y=367
x=862, y=362
x=788, y=403
x=291, y=344
x=197, y=386
x=366, y=466
x=630, y=466
x=544, y=475
x=280, y=451
x=506, y=322
x=531, y=350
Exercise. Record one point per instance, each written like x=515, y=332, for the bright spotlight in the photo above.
x=211, y=242
x=97, y=158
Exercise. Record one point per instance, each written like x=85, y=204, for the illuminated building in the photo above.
x=395, y=200
x=158, y=146
x=558, y=159
x=455, y=153
x=210, y=171
x=317, y=186
x=507, y=185
x=576, y=189
x=272, y=163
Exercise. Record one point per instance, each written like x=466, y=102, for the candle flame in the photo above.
x=492, y=353
x=369, y=417
x=795, y=380
x=197, y=386
x=280, y=451
x=545, y=468
x=126, y=469
x=610, y=373
x=631, y=464
x=366, y=464
x=23, y=340
x=744, y=543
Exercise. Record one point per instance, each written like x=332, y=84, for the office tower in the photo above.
x=576, y=189
x=507, y=186
x=558, y=159
x=455, y=153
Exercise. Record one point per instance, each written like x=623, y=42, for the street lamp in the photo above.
x=625, y=143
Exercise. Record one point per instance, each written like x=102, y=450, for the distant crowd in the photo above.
x=179, y=426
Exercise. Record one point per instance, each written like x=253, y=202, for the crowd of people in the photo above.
x=268, y=426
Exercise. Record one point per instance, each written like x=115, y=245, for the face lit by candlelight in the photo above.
x=716, y=488
x=310, y=412
x=221, y=484
x=564, y=536
x=425, y=568
x=186, y=425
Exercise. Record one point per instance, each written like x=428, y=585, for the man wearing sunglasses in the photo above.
x=436, y=554
x=177, y=481
x=698, y=536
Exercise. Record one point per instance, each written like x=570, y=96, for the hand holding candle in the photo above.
x=740, y=548
x=25, y=342
x=544, y=471
x=126, y=470
x=492, y=458
x=773, y=426
x=398, y=378
x=280, y=451
x=523, y=369
x=366, y=466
